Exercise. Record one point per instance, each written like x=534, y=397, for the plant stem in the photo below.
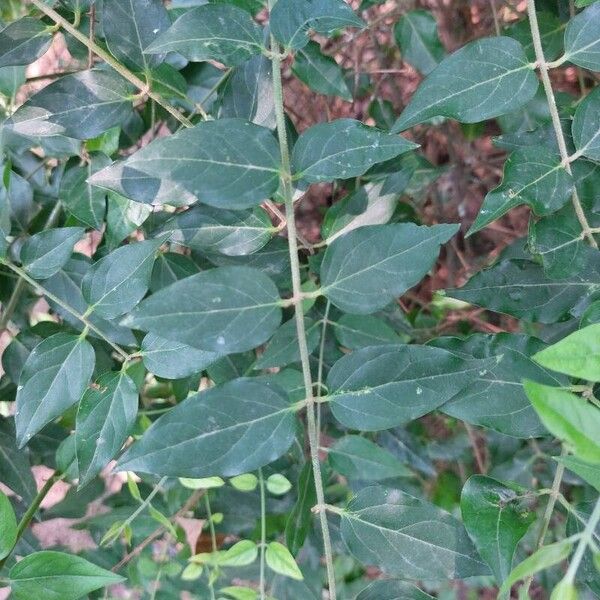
x=115, y=64
x=321, y=357
x=560, y=137
x=313, y=433
x=263, y=533
x=586, y=539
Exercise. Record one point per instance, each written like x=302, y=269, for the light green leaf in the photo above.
x=570, y=418
x=229, y=232
x=257, y=416
x=54, y=378
x=577, y=355
x=291, y=19
x=417, y=37
x=392, y=589
x=228, y=163
x=23, y=42
x=81, y=105
x=226, y=310
x=367, y=268
x=239, y=593
x=117, y=282
x=496, y=520
x=384, y=386
x=105, y=417
x=174, y=360
x=408, y=537
x=246, y=482
x=586, y=122
x=587, y=471
x=212, y=32
x=320, y=72
x=484, y=79
x=45, y=253
x=357, y=457
x=57, y=575
x=129, y=27
x=205, y=483
x=240, y=554
x=582, y=39
x=343, y=149
x=8, y=526
x=278, y=484
x=532, y=176
x=281, y=561
x=360, y=331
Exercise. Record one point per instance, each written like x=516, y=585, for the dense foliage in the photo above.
x=164, y=318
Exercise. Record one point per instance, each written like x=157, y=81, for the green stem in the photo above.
x=287, y=192
x=587, y=539
x=263, y=533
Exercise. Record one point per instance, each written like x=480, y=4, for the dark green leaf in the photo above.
x=123, y=217
x=586, y=122
x=170, y=267
x=417, y=36
x=235, y=428
x=551, y=34
x=54, y=378
x=15, y=471
x=23, y=42
x=582, y=40
x=392, y=589
x=8, y=526
x=360, y=331
x=299, y=522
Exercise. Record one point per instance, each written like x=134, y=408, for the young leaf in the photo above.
x=174, y=360
x=8, y=526
x=23, y=42
x=105, y=417
x=81, y=105
x=568, y=417
x=586, y=122
x=392, y=589
x=212, y=32
x=247, y=482
x=54, y=377
x=290, y=20
x=45, y=253
x=226, y=310
x=384, y=386
x=228, y=163
x=278, y=484
x=577, y=355
x=484, y=79
x=237, y=427
x=130, y=26
x=417, y=37
x=532, y=176
x=57, y=575
x=495, y=521
x=367, y=268
x=408, y=537
x=357, y=457
x=117, y=282
x=582, y=40
x=343, y=149
x=240, y=554
x=281, y=561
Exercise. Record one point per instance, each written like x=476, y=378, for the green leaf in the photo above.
x=257, y=416
x=105, y=417
x=342, y=149
x=117, y=282
x=247, y=482
x=384, y=386
x=123, y=217
x=170, y=267
x=229, y=232
x=495, y=520
x=568, y=417
x=543, y=558
x=357, y=457
x=239, y=593
x=212, y=32
x=290, y=20
x=392, y=589
x=551, y=34
x=57, y=575
x=408, y=537
x=587, y=471
x=45, y=253
x=174, y=360
x=23, y=42
x=228, y=163
x=281, y=561
x=417, y=37
x=532, y=176
x=129, y=27
x=8, y=526
x=577, y=355
x=484, y=79
x=54, y=378
x=586, y=122
x=81, y=105
x=229, y=309
x=521, y=289
x=582, y=40
x=240, y=554
x=360, y=331
x=497, y=399
x=300, y=519
x=11, y=79
x=320, y=72
x=15, y=471
x=278, y=484
x=367, y=268
x=283, y=348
